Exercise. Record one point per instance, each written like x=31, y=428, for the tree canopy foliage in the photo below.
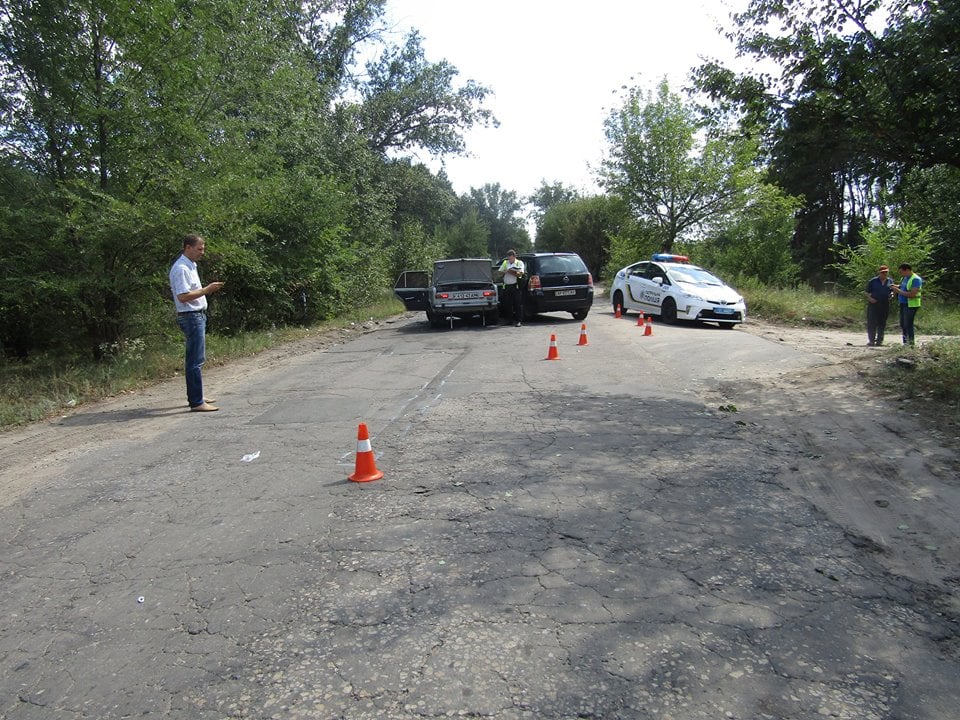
x=547, y=196
x=672, y=175
x=411, y=103
x=849, y=98
x=501, y=211
x=125, y=125
x=584, y=225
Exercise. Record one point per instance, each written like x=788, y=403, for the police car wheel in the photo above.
x=668, y=311
x=618, y=301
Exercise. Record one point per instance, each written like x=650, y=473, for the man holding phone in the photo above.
x=190, y=299
x=910, y=289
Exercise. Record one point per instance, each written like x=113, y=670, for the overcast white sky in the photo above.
x=556, y=68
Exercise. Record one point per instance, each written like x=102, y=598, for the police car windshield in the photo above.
x=694, y=276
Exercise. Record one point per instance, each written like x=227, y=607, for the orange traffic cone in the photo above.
x=553, y=353
x=648, y=330
x=640, y=319
x=616, y=313
x=583, y=335
x=366, y=467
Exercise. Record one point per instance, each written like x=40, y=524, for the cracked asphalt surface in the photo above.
x=592, y=537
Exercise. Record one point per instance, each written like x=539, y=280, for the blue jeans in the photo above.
x=907, y=314
x=194, y=328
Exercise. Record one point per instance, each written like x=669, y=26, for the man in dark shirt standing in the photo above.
x=878, y=293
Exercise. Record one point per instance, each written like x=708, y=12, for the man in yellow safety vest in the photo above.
x=909, y=291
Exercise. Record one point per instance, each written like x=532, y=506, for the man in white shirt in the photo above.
x=190, y=298
x=513, y=270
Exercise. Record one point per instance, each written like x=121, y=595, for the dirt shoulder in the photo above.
x=883, y=467
x=849, y=360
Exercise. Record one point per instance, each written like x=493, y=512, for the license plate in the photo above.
x=723, y=311
x=466, y=294
x=559, y=293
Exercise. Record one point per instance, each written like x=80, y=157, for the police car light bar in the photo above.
x=667, y=257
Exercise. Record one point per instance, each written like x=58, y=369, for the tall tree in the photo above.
x=848, y=96
x=666, y=170
x=469, y=236
x=335, y=33
x=126, y=116
x=930, y=198
x=549, y=195
x=584, y=226
x=411, y=103
x=502, y=212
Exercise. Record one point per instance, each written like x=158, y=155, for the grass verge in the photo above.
x=929, y=371
x=799, y=306
x=47, y=384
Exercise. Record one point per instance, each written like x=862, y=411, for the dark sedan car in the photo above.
x=557, y=281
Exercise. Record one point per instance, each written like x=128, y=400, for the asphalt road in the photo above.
x=606, y=535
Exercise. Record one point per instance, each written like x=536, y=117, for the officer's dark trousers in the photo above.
x=513, y=303
x=877, y=314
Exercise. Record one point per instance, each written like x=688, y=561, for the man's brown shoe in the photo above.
x=204, y=407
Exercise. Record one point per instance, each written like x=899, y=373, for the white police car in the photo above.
x=669, y=286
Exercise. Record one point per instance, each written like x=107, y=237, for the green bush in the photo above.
x=634, y=244
x=800, y=305
x=888, y=245
x=756, y=244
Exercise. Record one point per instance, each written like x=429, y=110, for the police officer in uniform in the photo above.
x=513, y=270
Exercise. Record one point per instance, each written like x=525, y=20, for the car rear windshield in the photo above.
x=561, y=264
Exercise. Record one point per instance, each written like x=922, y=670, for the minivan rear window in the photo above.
x=562, y=264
